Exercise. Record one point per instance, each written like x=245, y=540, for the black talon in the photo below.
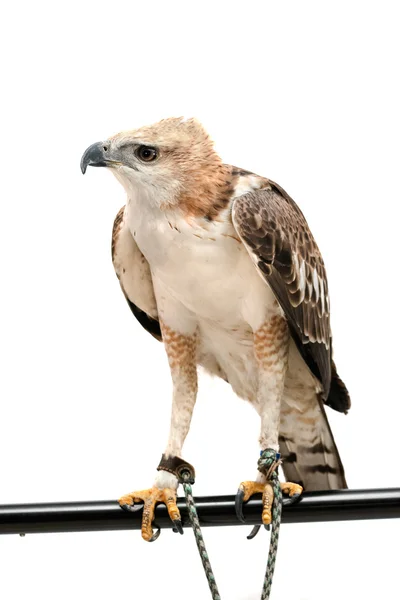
x=155, y=535
x=254, y=532
x=267, y=527
x=239, y=505
x=132, y=507
x=291, y=500
x=177, y=528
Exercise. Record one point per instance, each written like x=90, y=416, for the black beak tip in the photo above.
x=83, y=166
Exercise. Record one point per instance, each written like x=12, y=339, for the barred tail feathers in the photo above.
x=309, y=453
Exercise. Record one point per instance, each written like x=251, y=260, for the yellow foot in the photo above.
x=246, y=490
x=249, y=488
x=293, y=490
x=150, y=498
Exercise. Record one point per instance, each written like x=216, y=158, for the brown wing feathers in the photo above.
x=277, y=235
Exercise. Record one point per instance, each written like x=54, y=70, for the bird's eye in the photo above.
x=146, y=153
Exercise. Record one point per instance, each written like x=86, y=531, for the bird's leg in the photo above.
x=271, y=346
x=181, y=352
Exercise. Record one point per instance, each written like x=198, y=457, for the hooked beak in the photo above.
x=95, y=156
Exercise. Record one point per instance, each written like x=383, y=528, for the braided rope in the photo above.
x=194, y=520
x=268, y=464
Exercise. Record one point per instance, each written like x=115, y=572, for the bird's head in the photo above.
x=171, y=162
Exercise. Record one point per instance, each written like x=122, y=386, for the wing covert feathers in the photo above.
x=278, y=238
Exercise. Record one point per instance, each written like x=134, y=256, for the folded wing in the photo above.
x=277, y=237
x=134, y=276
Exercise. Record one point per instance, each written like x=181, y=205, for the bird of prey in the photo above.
x=220, y=265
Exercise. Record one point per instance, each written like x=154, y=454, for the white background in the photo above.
x=305, y=93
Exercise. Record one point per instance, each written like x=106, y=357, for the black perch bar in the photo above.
x=214, y=511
